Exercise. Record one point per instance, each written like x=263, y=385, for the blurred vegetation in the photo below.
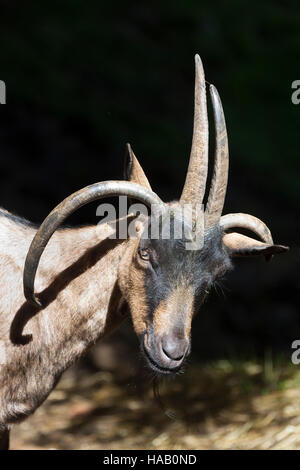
x=252, y=404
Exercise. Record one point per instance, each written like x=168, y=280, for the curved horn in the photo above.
x=194, y=186
x=67, y=207
x=217, y=192
x=249, y=222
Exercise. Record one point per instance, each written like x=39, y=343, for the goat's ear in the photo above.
x=132, y=169
x=240, y=245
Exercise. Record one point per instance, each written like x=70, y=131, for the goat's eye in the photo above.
x=144, y=254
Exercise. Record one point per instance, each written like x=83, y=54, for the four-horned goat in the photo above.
x=87, y=281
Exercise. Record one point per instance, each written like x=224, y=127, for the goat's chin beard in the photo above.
x=154, y=366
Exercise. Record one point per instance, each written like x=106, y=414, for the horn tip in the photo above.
x=283, y=248
x=129, y=149
x=213, y=91
x=198, y=61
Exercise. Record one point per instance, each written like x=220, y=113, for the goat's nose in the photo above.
x=174, y=348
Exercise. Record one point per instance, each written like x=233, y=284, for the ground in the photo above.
x=220, y=405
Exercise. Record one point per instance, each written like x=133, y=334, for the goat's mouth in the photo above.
x=157, y=367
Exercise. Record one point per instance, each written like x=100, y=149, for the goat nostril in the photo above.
x=173, y=355
x=174, y=348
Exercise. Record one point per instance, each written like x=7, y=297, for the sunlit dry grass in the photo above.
x=225, y=405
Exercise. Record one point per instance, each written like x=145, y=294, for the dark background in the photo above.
x=85, y=77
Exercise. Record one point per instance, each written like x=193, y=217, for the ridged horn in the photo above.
x=248, y=222
x=217, y=192
x=194, y=186
x=67, y=207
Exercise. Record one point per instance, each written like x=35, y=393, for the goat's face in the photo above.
x=164, y=284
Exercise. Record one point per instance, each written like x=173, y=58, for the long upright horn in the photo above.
x=66, y=208
x=194, y=187
x=217, y=192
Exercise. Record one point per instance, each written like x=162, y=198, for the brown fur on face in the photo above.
x=160, y=294
x=177, y=308
x=132, y=284
x=164, y=290
x=176, y=312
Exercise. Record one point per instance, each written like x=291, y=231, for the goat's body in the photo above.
x=78, y=281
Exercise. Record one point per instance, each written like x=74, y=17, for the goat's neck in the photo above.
x=77, y=283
